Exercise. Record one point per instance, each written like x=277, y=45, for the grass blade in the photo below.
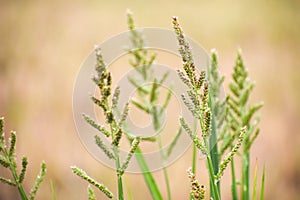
x=213, y=144
x=262, y=189
x=52, y=190
x=254, y=183
x=151, y=184
x=234, y=183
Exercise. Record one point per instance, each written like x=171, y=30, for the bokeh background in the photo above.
x=42, y=46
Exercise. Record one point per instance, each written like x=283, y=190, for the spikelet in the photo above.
x=23, y=171
x=95, y=125
x=197, y=190
x=104, y=148
x=227, y=159
x=38, y=181
x=133, y=147
x=79, y=172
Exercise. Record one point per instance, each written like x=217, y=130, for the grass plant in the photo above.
x=228, y=126
x=8, y=159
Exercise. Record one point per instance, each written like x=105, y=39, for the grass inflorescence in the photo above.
x=228, y=126
x=8, y=159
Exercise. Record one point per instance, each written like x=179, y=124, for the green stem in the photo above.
x=120, y=183
x=213, y=144
x=245, y=177
x=233, y=179
x=12, y=166
x=214, y=187
x=167, y=183
x=166, y=176
x=120, y=188
x=20, y=187
x=194, y=156
x=157, y=127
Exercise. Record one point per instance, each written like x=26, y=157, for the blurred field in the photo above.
x=43, y=43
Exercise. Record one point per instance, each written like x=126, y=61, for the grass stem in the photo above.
x=233, y=182
x=245, y=177
x=213, y=143
x=166, y=176
x=214, y=188
x=120, y=183
x=12, y=166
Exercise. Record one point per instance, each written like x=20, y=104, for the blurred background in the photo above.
x=42, y=46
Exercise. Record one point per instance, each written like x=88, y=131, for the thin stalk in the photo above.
x=162, y=154
x=120, y=188
x=120, y=183
x=20, y=187
x=245, y=177
x=213, y=143
x=117, y=156
x=194, y=159
x=233, y=182
x=194, y=155
x=166, y=176
x=214, y=188
x=53, y=190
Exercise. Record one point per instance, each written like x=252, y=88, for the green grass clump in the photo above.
x=232, y=117
x=228, y=126
x=115, y=131
x=8, y=159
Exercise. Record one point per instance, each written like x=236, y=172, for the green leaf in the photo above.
x=262, y=189
x=53, y=190
x=148, y=177
x=254, y=183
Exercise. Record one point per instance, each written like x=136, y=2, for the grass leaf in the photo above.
x=148, y=177
x=262, y=189
x=254, y=183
